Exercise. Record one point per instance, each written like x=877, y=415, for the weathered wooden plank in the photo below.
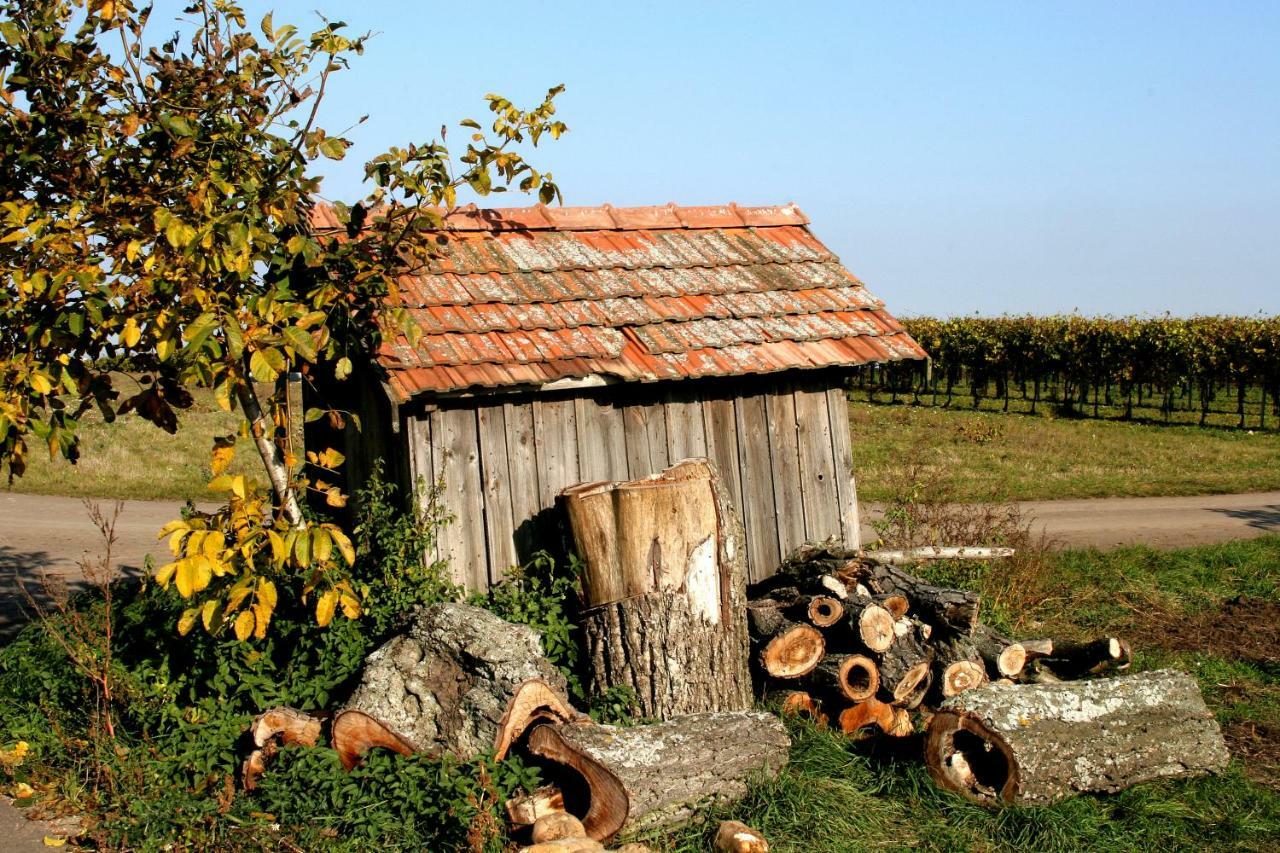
x=463, y=540
x=721, y=431
x=423, y=475
x=602, y=444
x=784, y=459
x=817, y=464
x=645, y=428
x=556, y=442
x=499, y=523
x=842, y=452
x=686, y=434
x=522, y=461
x=759, y=515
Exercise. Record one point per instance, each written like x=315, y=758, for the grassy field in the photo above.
x=1001, y=456
x=1177, y=607
x=1023, y=457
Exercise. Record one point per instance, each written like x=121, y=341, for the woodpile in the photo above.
x=859, y=642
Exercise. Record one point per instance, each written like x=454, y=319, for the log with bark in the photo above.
x=960, y=666
x=853, y=677
x=272, y=729
x=443, y=687
x=653, y=776
x=664, y=588
x=904, y=665
x=736, y=837
x=1031, y=744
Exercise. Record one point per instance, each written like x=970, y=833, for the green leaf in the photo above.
x=334, y=147
x=177, y=125
x=343, y=368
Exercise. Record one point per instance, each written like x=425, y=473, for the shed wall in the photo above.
x=782, y=448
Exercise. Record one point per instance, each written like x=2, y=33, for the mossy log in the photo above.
x=654, y=776
x=1036, y=743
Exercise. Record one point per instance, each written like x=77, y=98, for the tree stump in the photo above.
x=646, y=777
x=1032, y=744
x=664, y=590
x=444, y=687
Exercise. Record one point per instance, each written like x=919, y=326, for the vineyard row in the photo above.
x=1078, y=364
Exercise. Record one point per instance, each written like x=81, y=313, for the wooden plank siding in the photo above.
x=782, y=451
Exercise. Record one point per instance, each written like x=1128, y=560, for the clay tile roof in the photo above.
x=528, y=296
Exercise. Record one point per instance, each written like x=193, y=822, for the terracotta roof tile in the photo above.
x=526, y=296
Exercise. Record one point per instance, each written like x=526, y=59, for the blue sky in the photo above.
x=960, y=158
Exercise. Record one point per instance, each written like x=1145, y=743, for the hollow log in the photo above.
x=897, y=605
x=904, y=665
x=443, y=687
x=665, y=590
x=1004, y=657
x=824, y=611
x=655, y=776
x=892, y=721
x=854, y=677
x=793, y=651
x=1033, y=744
x=1076, y=660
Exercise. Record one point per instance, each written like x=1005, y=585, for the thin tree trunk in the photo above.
x=263, y=431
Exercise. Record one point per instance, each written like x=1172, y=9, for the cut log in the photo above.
x=525, y=809
x=291, y=726
x=870, y=624
x=1004, y=658
x=665, y=589
x=736, y=837
x=355, y=733
x=555, y=826
x=533, y=701
x=892, y=721
x=897, y=605
x=565, y=845
x=793, y=651
x=913, y=699
x=960, y=666
x=904, y=665
x=1036, y=649
x=1033, y=744
x=798, y=703
x=825, y=610
x=1076, y=660
x=443, y=687
x=854, y=677
x=655, y=776
x=271, y=729
x=942, y=607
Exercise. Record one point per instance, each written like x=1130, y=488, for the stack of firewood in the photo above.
x=858, y=642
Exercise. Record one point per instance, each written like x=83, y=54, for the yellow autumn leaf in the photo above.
x=132, y=333
x=209, y=614
x=244, y=625
x=188, y=620
x=350, y=606
x=221, y=457
x=321, y=545
x=344, y=544
x=164, y=574
x=23, y=791
x=279, y=550
x=54, y=841
x=325, y=607
x=41, y=383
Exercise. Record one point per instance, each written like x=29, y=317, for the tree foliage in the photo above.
x=154, y=206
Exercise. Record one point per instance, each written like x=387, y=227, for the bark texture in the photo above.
x=680, y=639
x=646, y=777
x=444, y=686
x=1032, y=744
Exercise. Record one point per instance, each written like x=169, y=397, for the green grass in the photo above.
x=132, y=459
x=1024, y=457
x=838, y=796
x=1015, y=457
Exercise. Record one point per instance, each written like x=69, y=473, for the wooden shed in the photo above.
x=567, y=345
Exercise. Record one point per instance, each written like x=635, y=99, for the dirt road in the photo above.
x=52, y=534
